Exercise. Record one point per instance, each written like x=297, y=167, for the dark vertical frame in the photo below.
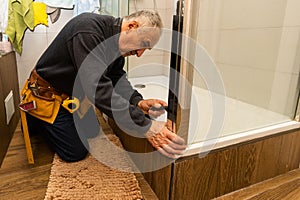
x=175, y=61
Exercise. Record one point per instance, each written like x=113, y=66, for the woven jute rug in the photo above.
x=91, y=179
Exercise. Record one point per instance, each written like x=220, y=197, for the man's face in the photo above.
x=136, y=40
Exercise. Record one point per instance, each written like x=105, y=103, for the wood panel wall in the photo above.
x=159, y=180
x=236, y=167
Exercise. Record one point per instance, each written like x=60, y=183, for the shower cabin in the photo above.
x=229, y=71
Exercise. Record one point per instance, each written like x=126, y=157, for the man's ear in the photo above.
x=133, y=25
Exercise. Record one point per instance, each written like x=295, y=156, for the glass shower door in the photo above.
x=254, y=46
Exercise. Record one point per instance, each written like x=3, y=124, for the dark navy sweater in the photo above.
x=84, y=60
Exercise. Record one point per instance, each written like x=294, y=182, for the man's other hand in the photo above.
x=166, y=142
x=153, y=107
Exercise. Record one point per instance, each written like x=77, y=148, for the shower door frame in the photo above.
x=185, y=79
x=187, y=71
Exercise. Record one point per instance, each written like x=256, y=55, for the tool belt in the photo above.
x=45, y=89
x=43, y=101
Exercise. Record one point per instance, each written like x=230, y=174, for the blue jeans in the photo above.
x=69, y=143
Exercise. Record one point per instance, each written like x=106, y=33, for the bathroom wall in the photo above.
x=256, y=47
x=35, y=43
x=154, y=62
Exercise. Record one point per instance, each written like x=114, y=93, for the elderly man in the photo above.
x=86, y=59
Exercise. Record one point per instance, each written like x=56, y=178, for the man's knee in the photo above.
x=73, y=155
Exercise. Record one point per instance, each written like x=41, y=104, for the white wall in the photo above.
x=155, y=62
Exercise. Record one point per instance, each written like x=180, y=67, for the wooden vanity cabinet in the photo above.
x=8, y=82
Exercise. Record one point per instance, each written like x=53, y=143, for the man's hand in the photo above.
x=171, y=125
x=148, y=107
x=166, y=142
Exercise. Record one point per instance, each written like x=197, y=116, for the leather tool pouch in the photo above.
x=46, y=103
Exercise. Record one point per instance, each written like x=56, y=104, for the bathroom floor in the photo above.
x=19, y=180
x=285, y=186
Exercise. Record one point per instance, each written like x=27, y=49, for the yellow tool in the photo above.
x=71, y=104
x=26, y=137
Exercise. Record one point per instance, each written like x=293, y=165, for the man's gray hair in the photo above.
x=146, y=18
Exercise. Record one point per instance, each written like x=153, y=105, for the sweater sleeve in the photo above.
x=121, y=84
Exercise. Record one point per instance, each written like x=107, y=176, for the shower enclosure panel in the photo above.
x=255, y=47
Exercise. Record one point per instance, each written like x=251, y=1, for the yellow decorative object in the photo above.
x=40, y=14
